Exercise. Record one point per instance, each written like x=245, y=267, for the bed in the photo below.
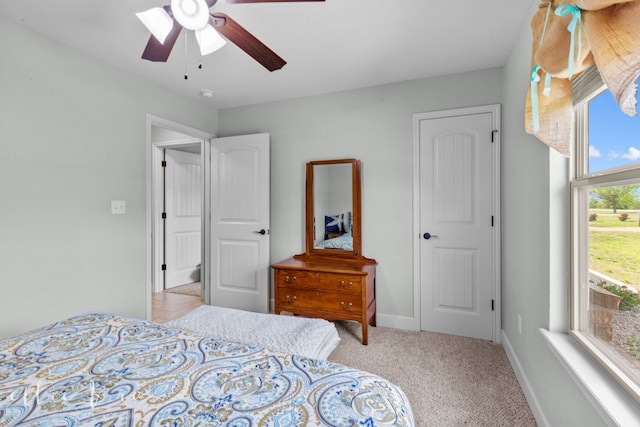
x=344, y=242
x=106, y=370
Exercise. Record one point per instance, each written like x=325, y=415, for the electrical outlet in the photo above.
x=118, y=207
x=519, y=324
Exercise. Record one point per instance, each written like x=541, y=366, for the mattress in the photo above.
x=313, y=338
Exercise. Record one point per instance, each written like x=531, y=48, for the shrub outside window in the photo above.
x=605, y=196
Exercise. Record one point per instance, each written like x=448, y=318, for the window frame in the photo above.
x=586, y=87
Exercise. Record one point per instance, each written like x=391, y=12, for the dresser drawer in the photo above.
x=300, y=300
x=294, y=277
x=319, y=280
x=339, y=282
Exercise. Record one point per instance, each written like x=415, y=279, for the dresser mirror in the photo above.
x=333, y=208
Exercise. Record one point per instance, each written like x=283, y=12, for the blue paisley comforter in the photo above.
x=344, y=242
x=105, y=370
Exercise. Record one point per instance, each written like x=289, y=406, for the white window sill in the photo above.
x=615, y=406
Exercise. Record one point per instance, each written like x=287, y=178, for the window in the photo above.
x=605, y=192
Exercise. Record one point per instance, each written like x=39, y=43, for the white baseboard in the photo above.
x=536, y=409
x=396, y=322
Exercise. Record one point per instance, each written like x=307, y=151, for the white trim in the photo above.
x=612, y=403
x=205, y=268
x=416, y=223
x=156, y=229
x=495, y=110
x=151, y=229
x=527, y=389
x=395, y=322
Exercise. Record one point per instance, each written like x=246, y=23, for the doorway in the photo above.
x=163, y=135
x=457, y=222
x=235, y=209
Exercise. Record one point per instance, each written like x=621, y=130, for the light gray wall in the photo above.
x=374, y=125
x=534, y=249
x=73, y=138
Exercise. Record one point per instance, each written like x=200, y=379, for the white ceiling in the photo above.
x=329, y=46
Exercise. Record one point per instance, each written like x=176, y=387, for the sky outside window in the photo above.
x=614, y=137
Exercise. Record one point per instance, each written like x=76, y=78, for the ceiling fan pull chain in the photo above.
x=186, y=75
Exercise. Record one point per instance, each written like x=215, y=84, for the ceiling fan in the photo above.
x=165, y=24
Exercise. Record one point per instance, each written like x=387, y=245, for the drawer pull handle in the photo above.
x=291, y=279
x=345, y=306
x=345, y=284
x=290, y=299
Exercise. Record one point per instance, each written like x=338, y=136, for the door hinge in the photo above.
x=493, y=132
x=164, y=163
x=164, y=215
x=493, y=308
x=164, y=267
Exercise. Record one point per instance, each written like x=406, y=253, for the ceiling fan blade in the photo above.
x=246, y=41
x=159, y=52
x=265, y=1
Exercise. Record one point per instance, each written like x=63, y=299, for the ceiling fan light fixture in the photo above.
x=191, y=14
x=157, y=21
x=209, y=40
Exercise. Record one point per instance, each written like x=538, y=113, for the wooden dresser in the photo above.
x=330, y=288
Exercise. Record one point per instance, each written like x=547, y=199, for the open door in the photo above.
x=183, y=217
x=239, y=228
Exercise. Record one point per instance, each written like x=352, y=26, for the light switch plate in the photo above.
x=118, y=207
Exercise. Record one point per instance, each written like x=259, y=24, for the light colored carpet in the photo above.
x=192, y=289
x=449, y=380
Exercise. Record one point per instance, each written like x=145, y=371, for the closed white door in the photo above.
x=240, y=222
x=456, y=216
x=183, y=208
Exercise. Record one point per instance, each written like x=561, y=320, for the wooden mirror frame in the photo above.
x=356, y=230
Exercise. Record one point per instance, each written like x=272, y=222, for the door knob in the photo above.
x=427, y=236
x=263, y=232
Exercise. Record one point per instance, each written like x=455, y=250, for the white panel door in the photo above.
x=183, y=206
x=456, y=225
x=240, y=222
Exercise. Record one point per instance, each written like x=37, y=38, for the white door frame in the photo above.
x=494, y=109
x=153, y=248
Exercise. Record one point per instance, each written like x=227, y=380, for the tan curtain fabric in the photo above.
x=605, y=32
x=615, y=43
x=595, y=4
x=551, y=53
